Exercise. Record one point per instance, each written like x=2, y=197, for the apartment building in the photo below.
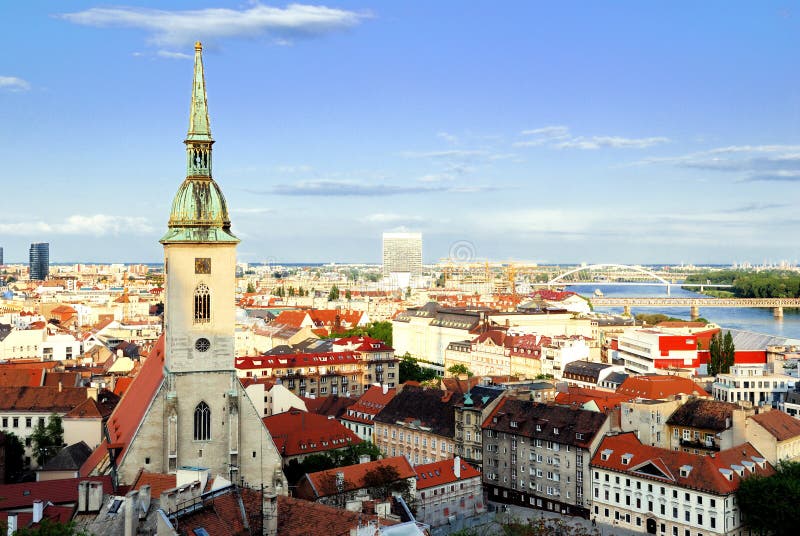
x=670, y=493
x=470, y=413
x=447, y=489
x=418, y=423
x=537, y=455
x=752, y=384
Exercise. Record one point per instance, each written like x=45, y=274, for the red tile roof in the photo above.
x=41, y=399
x=297, y=432
x=714, y=474
x=222, y=515
x=297, y=517
x=21, y=377
x=56, y=491
x=779, y=425
x=443, y=472
x=320, y=359
x=291, y=318
x=363, y=344
x=85, y=410
x=323, y=483
x=67, y=379
x=369, y=404
x=158, y=482
x=122, y=384
x=579, y=396
x=656, y=387
x=131, y=409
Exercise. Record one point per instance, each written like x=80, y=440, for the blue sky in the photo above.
x=636, y=132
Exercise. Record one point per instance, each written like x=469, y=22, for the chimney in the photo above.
x=168, y=500
x=12, y=523
x=457, y=466
x=385, y=388
x=144, y=500
x=83, y=496
x=60, y=386
x=38, y=510
x=364, y=458
x=269, y=507
x=95, y=502
x=131, y=514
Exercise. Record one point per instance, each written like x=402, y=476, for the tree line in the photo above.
x=765, y=284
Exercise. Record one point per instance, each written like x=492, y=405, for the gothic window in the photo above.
x=202, y=422
x=202, y=304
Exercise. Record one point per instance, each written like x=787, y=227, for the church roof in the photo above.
x=130, y=411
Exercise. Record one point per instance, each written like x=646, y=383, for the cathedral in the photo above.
x=187, y=408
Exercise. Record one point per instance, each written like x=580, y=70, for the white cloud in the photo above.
x=257, y=210
x=181, y=28
x=95, y=225
x=450, y=153
x=553, y=131
x=173, y=55
x=390, y=218
x=446, y=136
x=615, y=142
x=12, y=83
x=559, y=137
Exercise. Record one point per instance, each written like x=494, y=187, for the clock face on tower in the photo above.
x=202, y=265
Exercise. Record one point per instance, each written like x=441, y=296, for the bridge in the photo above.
x=694, y=304
x=621, y=274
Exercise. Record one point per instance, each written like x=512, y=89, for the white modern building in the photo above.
x=402, y=253
x=753, y=384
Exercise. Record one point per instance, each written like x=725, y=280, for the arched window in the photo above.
x=202, y=304
x=202, y=422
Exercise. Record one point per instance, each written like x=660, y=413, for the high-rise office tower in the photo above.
x=1, y=257
x=402, y=252
x=39, y=261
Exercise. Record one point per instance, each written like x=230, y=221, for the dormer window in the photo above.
x=685, y=470
x=538, y=427
x=605, y=454
x=626, y=458
x=514, y=424
x=578, y=435
x=555, y=431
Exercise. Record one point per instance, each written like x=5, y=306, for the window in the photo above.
x=28, y=422
x=15, y=422
x=202, y=422
x=5, y=422
x=202, y=304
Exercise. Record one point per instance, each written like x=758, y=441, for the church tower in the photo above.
x=199, y=255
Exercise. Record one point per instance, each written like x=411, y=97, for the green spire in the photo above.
x=199, y=125
x=199, y=212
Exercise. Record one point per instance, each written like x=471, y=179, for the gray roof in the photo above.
x=616, y=377
x=70, y=458
x=585, y=368
x=750, y=340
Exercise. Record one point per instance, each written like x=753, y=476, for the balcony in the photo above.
x=700, y=445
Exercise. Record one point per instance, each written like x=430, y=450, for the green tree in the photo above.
x=301, y=291
x=384, y=481
x=411, y=370
x=714, y=366
x=457, y=370
x=51, y=528
x=728, y=353
x=15, y=455
x=352, y=454
x=250, y=288
x=381, y=331
x=347, y=295
x=47, y=439
x=334, y=293
x=769, y=504
x=291, y=291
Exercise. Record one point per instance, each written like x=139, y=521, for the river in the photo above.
x=752, y=319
